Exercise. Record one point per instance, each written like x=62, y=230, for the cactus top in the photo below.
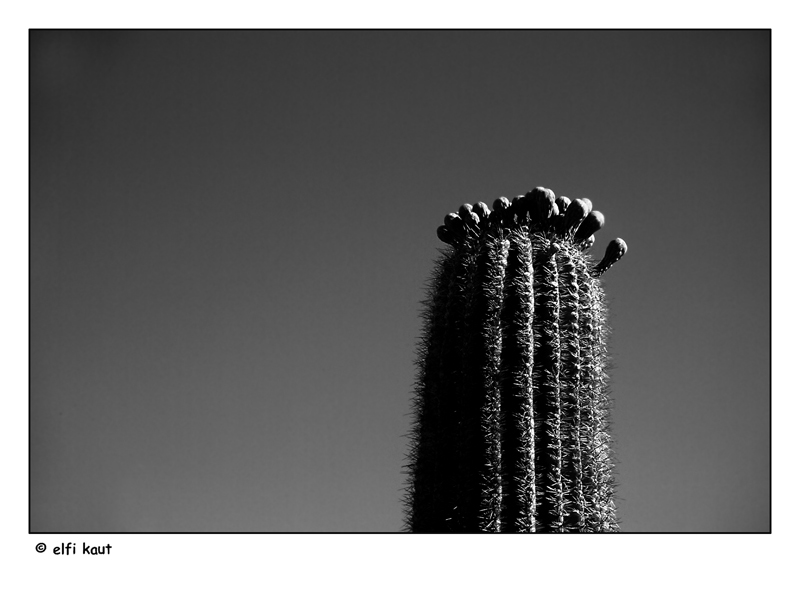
x=564, y=221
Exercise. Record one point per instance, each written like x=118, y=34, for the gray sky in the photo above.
x=230, y=233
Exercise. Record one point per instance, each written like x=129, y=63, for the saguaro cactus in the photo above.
x=511, y=403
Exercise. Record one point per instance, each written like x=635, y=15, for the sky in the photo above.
x=231, y=232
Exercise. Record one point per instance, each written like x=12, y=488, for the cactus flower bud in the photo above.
x=472, y=221
x=501, y=204
x=482, y=210
x=562, y=202
x=444, y=235
x=530, y=203
x=593, y=222
x=575, y=214
x=614, y=252
x=519, y=208
x=455, y=225
x=545, y=203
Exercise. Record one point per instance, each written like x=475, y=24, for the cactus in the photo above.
x=511, y=430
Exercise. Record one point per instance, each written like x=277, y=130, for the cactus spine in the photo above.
x=511, y=404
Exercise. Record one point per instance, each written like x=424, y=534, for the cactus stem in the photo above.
x=511, y=396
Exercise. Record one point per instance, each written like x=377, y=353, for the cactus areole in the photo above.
x=511, y=401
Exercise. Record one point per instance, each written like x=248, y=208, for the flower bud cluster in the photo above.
x=572, y=221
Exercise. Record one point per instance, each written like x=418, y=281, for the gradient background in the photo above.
x=230, y=234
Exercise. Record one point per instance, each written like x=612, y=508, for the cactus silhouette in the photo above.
x=511, y=429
